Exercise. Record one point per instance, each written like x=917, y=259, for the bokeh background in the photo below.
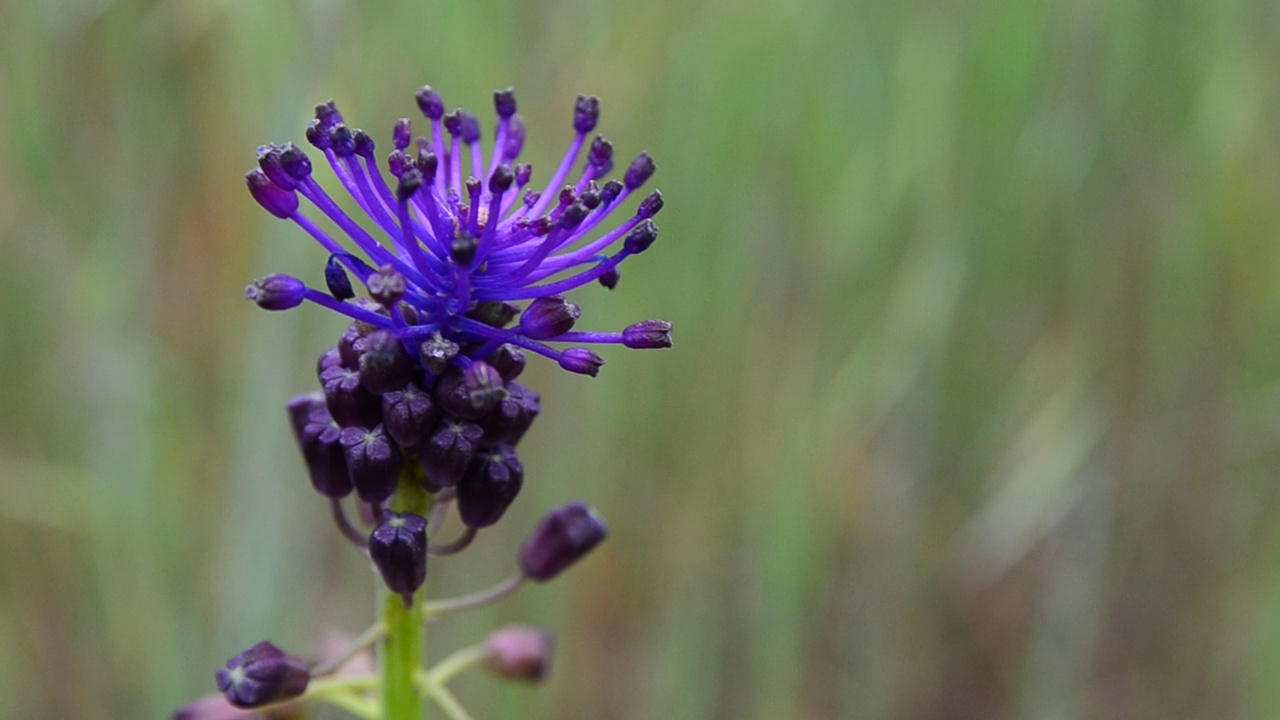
x=974, y=409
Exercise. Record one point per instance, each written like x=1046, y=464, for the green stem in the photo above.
x=404, y=649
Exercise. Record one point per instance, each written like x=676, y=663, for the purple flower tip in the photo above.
x=430, y=103
x=641, y=169
x=581, y=361
x=519, y=652
x=586, y=113
x=276, y=292
x=548, y=317
x=504, y=102
x=337, y=281
x=398, y=547
x=640, y=238
x=278, y=201
x=647, y=335
x=402, y=133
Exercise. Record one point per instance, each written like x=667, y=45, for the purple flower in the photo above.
x=261, y=675
x=564, y=536
x=460, y=236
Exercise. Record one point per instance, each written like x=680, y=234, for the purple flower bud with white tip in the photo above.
x=402, y=133
x=448, y=453
x=341, y=141
x=430, y=103
x=564, y=537
x=581, y=361
x=278, y=201
x=511, y=418
x=489, y=486
x=261, y=675
x=641, y=170
x=650, y=206
x=549, y=317
x=408, y=414
x=647, y=335
x=295, y=162
x=269, y=163
x=363, y=144
x=276, y=291
x=641, y=237
x=374, y=462
x=519, y=652
x=504, y=102
x=384, y=366
x=398, y=547
x=586, y=113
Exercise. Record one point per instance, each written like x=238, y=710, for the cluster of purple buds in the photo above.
x=465, y=277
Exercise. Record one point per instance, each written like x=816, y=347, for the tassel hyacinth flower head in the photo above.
x=466, y=270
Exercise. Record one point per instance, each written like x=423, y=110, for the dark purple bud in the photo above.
x=524, y=171
x=519, y=652
x=294, y=161
x=610, y=278
x=515, y=139
x=647, y=335
x=600, y=156
x=276, y=291
x=453, y=123
x=581, y=361
x=610, y=192
x=531, y=198
x=640, y=238
x=386, y=286
x=436, y=352
x=347, y=400
x=640, y=171
x=567, y=195
x=650, y=206
x=501, y=179
x=504, y=102
x=261, y=675
x=489, y=486
x=269, y=163
x=508, y=360
x=318, y=135
x=362, y=143
x=494, y=313
x=408, y=415
x=590, y=197
x=341, y=141
x=336, y=278
x=513, y=415
x=469, y=126
x=572, y=216
x=473, y=189
x=564, y=537
x=327, y=114
x=586, y=113
x=430, y=103
x=398, y=547
x=447, y=454
x=427, y=164
x=374, y=462
x=484, y=386
x=548, y=317
x=409, y=184
x=402, y=133
x=319, y=437
x=398, y=162
x=277, y=201
x=384, y=366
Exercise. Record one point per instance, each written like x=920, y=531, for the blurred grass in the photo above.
x=973, y=410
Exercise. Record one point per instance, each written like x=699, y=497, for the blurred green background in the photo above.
x=974, y=409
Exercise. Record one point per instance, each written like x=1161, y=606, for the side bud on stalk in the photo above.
x=564, y=537
x=261, y=675
x=519, y=652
